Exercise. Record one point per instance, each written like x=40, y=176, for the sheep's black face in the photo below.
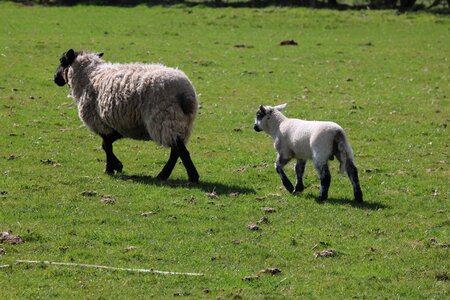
x=64, y=62
x=260, y=114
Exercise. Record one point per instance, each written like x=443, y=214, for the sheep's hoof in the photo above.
x=109, y=171
x=194, y=180
x=359, y=198
x=112, y=172
x=162, y=177
x=117, y=167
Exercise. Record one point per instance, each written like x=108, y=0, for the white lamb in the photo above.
x=138, y=101
x=307, y=140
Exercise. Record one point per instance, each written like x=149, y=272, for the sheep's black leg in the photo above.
x=167, y=170
x=299, y=171
x=353, y=175
x=279, y=164
x=325, y=180
x=187, y=161
x=112, y=162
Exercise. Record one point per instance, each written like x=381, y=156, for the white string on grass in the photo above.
x=45, y=262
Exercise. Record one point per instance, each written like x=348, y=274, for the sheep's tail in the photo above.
x=189, y=106
x=343, y=150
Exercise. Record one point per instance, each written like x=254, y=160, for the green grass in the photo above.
x=383, y=77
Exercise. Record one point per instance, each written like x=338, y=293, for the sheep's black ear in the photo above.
x=100, y=54
x=70, y=55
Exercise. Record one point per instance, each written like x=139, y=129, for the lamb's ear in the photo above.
x=280, y=107
x=262, y=109
x=100, y=54
x=70, y=55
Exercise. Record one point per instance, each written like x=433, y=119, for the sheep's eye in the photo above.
x=64, y=63
x=259, y=115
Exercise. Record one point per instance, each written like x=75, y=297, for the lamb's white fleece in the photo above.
x=306, y=140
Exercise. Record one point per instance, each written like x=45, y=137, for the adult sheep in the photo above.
x=138, y=101
x=308, y=140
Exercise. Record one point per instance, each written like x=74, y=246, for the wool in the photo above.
x=140, y=101
x=136, y=100
x=319, y=141
x=312, y=140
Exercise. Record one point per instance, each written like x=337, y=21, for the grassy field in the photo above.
x=383, y=77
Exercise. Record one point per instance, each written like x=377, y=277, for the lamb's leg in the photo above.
x=187, y=161
x=325, y=179
x=299, y=171
x=112, y=162
x=279, y=165
x=167, y=170
x=353, y=175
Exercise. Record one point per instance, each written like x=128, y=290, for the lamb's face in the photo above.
x=64, y=63
x=261, y=118
x=264, y=114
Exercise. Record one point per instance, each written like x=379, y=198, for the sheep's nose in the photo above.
x=256, y=128
x=59, y=80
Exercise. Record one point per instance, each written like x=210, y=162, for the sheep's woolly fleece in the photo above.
x=140, y=101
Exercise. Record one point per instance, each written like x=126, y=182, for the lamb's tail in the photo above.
x=343, y=150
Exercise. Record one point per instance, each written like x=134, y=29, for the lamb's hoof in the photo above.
x=322, y=198
x=298, y=190
x=289, y=188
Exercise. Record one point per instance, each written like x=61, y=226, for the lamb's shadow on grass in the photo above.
x=369, y=205
x=207, y=186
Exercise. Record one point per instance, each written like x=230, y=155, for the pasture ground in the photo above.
x=384, y=77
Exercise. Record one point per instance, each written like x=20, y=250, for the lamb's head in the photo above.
x=264, y=115
x=64, y=63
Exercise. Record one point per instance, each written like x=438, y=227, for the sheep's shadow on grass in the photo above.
x=207, y=186
x=345, y=201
